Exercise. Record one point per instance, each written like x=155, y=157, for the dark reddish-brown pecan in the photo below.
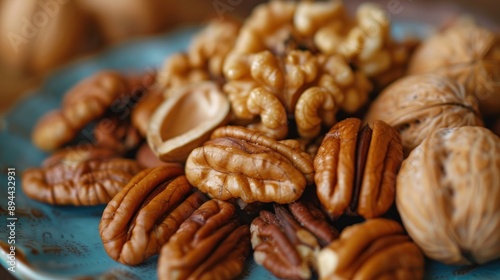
x=240, y=163
x=375, y=249
x=114, y=133
x=287, y=243
x=86, y=102
x=83, y=175
x=211, y=244
x=146, y=213
x=356, y=168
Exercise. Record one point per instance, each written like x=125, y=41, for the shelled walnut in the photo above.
x=417, y=105
x=451, y=183
x=287, y=241
x=210, y=244
x=356, y=168
x=241, y=163
x=375, y=249
x=83, y=175
x=146, y=213
x=204, y=59
x=468, y=54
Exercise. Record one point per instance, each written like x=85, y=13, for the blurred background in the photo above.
x=37, y=36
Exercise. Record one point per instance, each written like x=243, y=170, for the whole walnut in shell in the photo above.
x=468, y=54
x=448, y=195
x=417, y=105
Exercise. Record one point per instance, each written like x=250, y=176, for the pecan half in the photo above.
x=210, y=244
x=146, y=213
x=79, y=176
x=85, y=102
x=241, y=163
x=356, y=169
x=287, y=243
x=375, y=249
x=117, y=134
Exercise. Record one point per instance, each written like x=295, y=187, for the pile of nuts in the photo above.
x=234, y=149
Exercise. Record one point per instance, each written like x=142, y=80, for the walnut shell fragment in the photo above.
x=375, y=249
x=146, y=213
x=241, y=163
x=210, y=244
x=356, y=168
x=417, y=105
x=186, y=120
x=79, y=176
x=451, y=183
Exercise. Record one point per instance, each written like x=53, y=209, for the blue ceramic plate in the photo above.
x=63, y=242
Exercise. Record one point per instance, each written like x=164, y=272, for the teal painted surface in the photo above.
x=64, y=242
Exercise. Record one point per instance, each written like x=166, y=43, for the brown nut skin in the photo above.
x=347, y=181
x=146, y=213
x=375, y=249
x=241, y=163
x=79, y=177
x=85, y=102
x=417, y=105
x=468, y=54
x=287, y=242
x=116, y=134
x=210, y=244
x=451, y=183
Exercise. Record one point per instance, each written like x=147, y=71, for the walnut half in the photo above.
x=241, y=163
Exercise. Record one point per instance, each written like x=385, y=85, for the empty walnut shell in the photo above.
x=375, y=249
x=468, y=54
x=79, y=176
x=451, y=185
x=210, y=244
x=186, y=119
x=241, y=163
x=356, y=168
x=417, y=105
x=146, y=213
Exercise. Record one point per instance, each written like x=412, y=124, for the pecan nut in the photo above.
x=85, y=102
x=210, y=244
x=287, y=243
x=375, y=249
x=241, y=163
x=114, y=133
x=356, y=168
x=146, y=213
x=78, y=176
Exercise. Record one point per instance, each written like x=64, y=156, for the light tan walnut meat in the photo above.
x=241, y=163
x=210, y=244
x=468, y=54
x=312, y=87
x=451, y=184
x=417, y=105
x=146, y=213
x=287, y=241
x=79, y=176
x=355, y=168
x=85, y=102
x=204, y=58
x=184, y=121
x=375, y=249
x=366, y=42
